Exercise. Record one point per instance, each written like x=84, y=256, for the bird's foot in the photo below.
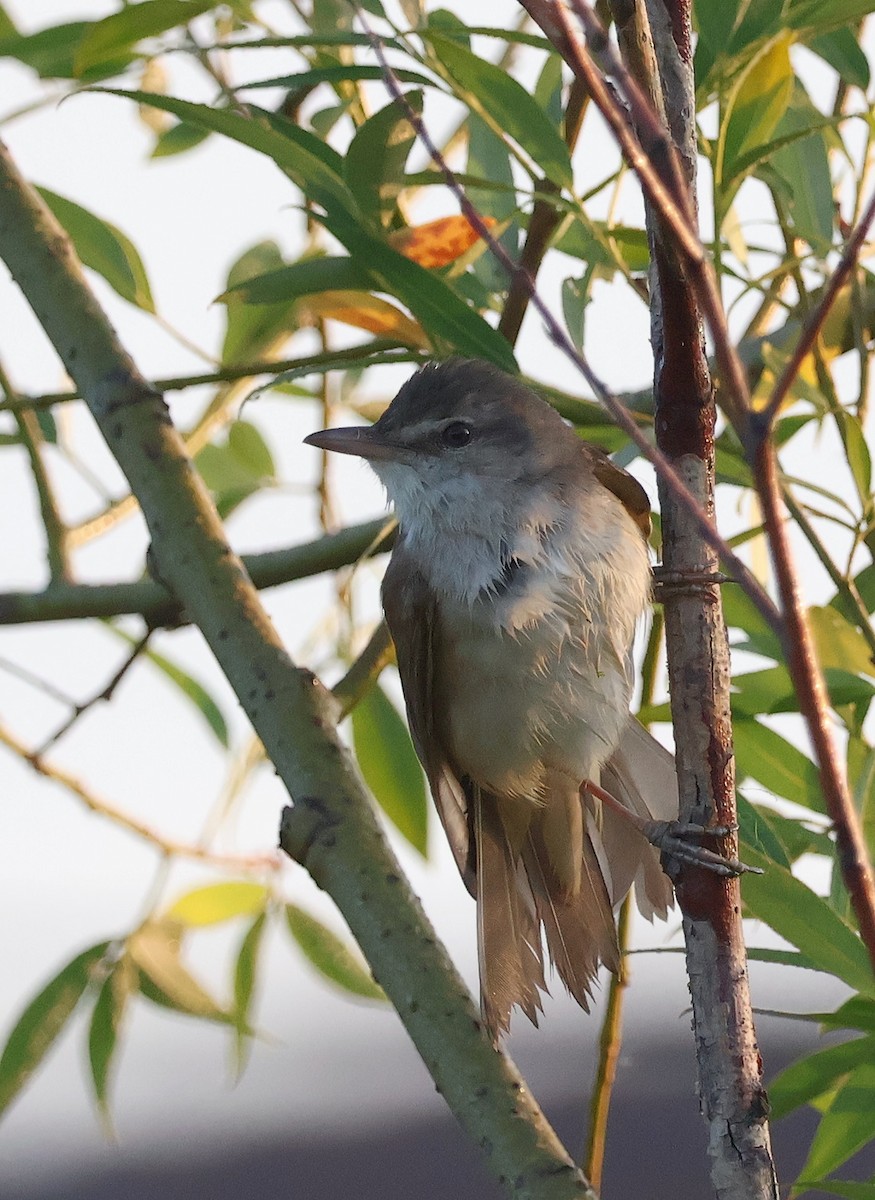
x=672, y=838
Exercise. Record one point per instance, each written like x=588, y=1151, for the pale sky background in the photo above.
x=68, y=879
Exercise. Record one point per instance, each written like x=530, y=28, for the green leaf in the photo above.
x=43, y=1019
x=506, y=106
x=839, y=644
x=848, y=1188
x=441, y=313
x=846, y=1126
x=187, y=684
x=111, y=38
x=196, y=693
x=155, y=949
x=330, y=956
x=103, y=248
x=50, y=52
x=308, y=276
x=741, y=613
x=298, y=153
x=245, y=976
x=755, y=105
x=106, y=1022
x=254, y=329
x=858, y=1012
x=805, y=1080
x=375, y=161
x=806, y=921
x=238, y=469
x=756, y=831
x=7, y=25
x=390, y=766
x=845, y=55
x=346, y=73
x=217, y=902
x=770, y=759
x=181, y=136
x=857, y=451
x=803, y=164
x=488, y=159
x=822, y=15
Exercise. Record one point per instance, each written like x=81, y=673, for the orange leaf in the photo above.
x=437, y=242
x=365, y=311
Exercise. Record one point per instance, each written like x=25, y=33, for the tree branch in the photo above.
x=730, y=1069
x=149, y=599
x=331, y=826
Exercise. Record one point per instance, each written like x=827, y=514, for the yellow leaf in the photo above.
x=364, y=311
x=218, y=902
x=439, y=242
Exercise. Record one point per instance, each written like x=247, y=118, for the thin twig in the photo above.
x=813, y=704
x=378, y=351
x=169, y=847
x=610, y=1044
x=366, y=669
x=105, y=693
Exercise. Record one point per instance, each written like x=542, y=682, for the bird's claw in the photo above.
x=671, y=838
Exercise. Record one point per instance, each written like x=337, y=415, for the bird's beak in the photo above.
x=362, y=440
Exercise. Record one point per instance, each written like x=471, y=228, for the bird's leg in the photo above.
x=672, y=837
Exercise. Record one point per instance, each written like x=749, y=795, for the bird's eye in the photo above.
x=457, y=434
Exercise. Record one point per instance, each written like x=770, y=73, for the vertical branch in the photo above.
x=730, y=1070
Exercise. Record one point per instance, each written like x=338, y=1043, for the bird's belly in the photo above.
x=514, y=704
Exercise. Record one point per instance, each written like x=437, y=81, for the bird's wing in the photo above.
x=411, y=614
x=624, y=486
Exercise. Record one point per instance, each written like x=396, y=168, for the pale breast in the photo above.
x=537, y=672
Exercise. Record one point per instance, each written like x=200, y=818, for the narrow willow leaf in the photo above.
x=501, y=100
x=805, y=1080
x=846, y=1126
x=390, y=766
x=155, y=949
x=50, y=52
x=103, y=248
x=254, y=329
x=806, y=921
x=756, y=831
x=440, y=312
x=180, y=137
x=754, y=107
x=845, y=55
x=217, y=902
x=375, y=161
x=346, y=73
x=112, y=37
x=330, y=956
x=300, y=154
x=361, y=310
x=245, y=977
x=839, y=644
x=306, y=277
x=764, y=755
x=848, y=1188
x=43, y=1019
x=187, y=684
x=106, y=1022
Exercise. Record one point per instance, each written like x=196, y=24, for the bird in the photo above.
x=519, y=575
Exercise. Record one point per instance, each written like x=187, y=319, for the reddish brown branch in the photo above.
x=542, y=224
x=807, y=679
x=651, y=154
